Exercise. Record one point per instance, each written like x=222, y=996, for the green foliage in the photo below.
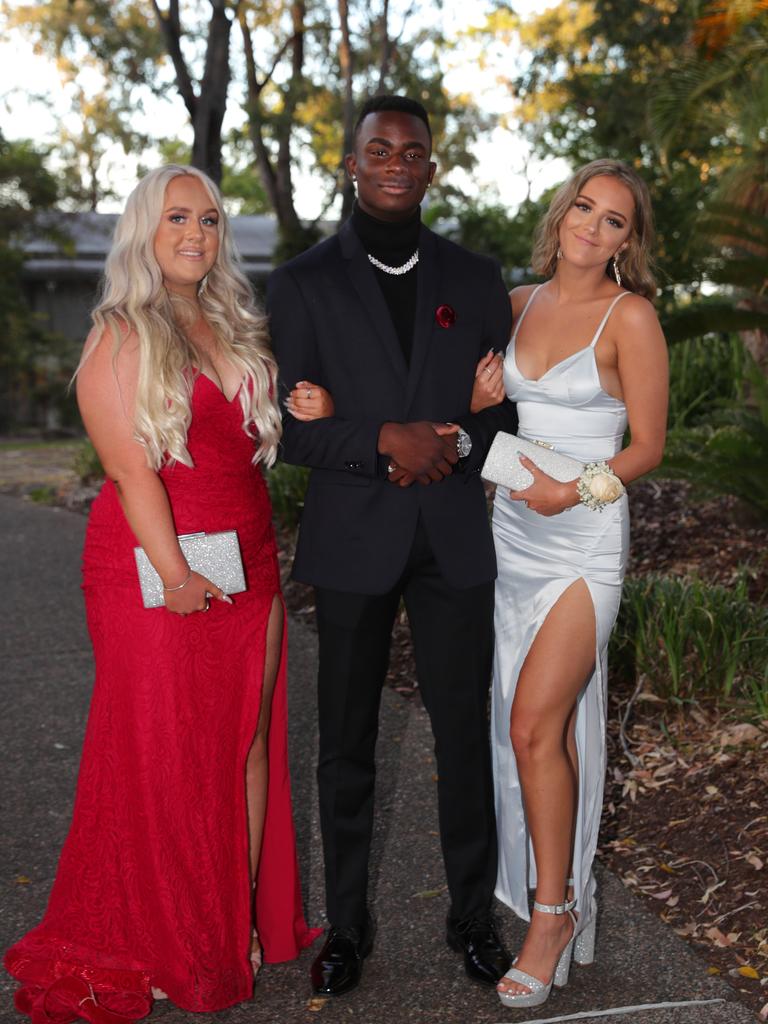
x=730, y=456
x=239, y=181
x=87, y=465
x=584, y=91
x=28, y=353
x=287, y=486
x=492, y=230
x=704, y=374
x=692, y=641
x=704, y=318
x=43, y=495
x=714, y=102
x=603, y=72
x=25, y=185
x=239, y=184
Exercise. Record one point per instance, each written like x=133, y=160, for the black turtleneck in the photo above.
x=393, y=243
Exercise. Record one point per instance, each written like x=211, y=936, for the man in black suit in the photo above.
x=392, y=319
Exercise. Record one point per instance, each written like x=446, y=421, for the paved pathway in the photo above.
x=411, y=976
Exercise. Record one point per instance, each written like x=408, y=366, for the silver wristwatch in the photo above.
x=463, y=444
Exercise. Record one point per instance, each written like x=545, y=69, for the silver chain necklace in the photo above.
x=397, y=271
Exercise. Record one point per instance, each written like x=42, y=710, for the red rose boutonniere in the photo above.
x=445, y=316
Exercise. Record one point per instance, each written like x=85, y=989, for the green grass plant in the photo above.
x=703, y=373
x=691, y=640
x=730, y=455
x=287, y=485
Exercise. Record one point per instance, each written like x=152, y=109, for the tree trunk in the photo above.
x=276, y=172
x=385, y=51
x=346, y=67
x=211, y=102
x=206, y=107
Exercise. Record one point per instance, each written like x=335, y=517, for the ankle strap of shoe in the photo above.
x=554, y=908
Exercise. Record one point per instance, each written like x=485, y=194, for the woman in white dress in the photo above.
x=562, y=549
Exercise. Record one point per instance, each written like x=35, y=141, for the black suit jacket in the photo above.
x=330, y=324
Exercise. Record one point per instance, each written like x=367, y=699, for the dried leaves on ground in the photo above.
x=687, y=830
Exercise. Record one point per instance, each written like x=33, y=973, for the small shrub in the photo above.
x=692, y=640
x=43, y=495
x=86, y=464
x=287, y=486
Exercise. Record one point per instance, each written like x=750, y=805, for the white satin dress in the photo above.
x=539, y=557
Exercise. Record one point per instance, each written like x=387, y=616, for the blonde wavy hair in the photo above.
x=636, y=260
x=134, y=298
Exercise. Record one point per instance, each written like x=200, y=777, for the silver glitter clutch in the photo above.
x=502, y=465
x=214, y=555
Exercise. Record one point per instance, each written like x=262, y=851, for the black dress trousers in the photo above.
x=453, y=643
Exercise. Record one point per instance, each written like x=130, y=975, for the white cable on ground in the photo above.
x=617, y=1010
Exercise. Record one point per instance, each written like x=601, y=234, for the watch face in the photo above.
x=463, y=444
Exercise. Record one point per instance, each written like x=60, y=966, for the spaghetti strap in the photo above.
x=531, y=297
x=604, y=321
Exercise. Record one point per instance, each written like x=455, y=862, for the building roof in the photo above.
x=74, y=244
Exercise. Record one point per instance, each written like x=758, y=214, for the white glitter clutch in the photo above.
x=214, y=555
x=502, y=465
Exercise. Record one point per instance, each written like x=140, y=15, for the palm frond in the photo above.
x=706, y=317
x=679, y=98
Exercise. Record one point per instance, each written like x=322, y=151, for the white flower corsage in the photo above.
x=598, y=486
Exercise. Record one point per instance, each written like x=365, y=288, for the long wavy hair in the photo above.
x=134, y=299
x=636, y=260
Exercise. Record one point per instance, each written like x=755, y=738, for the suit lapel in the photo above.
x=426, y=303
x=364, y=281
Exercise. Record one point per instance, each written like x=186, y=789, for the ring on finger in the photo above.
x=207, y=605
x=489, y=371
x=309, y=392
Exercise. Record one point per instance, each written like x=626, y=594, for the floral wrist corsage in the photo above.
x=598, y=486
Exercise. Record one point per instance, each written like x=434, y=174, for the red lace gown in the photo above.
x=153, y=886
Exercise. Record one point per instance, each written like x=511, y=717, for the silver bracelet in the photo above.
x=181, y=586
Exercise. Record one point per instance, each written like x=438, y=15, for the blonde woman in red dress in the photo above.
x=179, y=871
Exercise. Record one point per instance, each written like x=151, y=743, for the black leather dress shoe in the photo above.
x=485, y=958
x=338, y=966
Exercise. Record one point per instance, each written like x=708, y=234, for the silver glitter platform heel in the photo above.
x=584, y=942
x=539, y=990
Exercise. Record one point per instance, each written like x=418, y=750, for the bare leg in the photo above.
x=257, y=765
x=573, y=757
x=560, y=660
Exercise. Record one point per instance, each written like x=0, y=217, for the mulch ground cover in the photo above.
x=686, y=826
